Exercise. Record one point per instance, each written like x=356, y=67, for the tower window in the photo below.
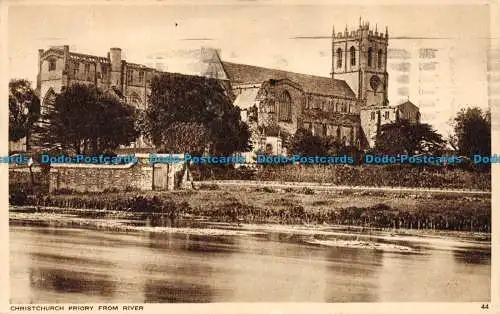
x=372, y=115
x=339, y=58
x=370, y=56
x=386, y=115
x=353, y=55
x=379, y=58
x=130, y=76
x=52, y=65
x=141, y=76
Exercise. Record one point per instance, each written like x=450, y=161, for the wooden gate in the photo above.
x=161, y=176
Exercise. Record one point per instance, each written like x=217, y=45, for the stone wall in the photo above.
x=21, y=176
x=96, y=178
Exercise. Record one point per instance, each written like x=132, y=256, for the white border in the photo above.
x=277, y=308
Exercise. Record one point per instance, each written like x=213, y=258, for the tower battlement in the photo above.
x=362, y=31
x=359, y=57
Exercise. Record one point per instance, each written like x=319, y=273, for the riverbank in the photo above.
x=323, y=235
x=394, y=210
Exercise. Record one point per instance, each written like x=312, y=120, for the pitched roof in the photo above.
x=407, y=106
x=407, y=103
x=249, y=74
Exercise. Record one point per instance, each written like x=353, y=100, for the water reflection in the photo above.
x=164, y=291
x=79, y=266
x=472, y=256
x=61, y=280
x=355, y=281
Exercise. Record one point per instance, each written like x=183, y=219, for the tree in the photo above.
x=24, y=109
x=403, y=137
x=304, y=143
x=186, y=137
x=84, y=119
x=472, y=132
x=191, y=99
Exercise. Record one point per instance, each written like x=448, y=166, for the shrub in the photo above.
x=18, y=197
x=210, y=187
x=379, y=175
x=111, y=190
x=64, y=192
x=266, y=189
x=307, y=191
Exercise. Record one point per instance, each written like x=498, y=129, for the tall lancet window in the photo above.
x=285, y=107
x=370, y=53
x=353, y=55
x=339, y=58
x=379, y=58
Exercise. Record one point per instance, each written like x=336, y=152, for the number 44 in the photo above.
x=485, y=306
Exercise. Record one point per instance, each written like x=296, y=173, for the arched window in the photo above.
x=353, y=55
x=52, y=64
x=379, y=58
x=48, y=101
x=339, y=58
x=338, y=134
x=285, y=107
x=370, y=52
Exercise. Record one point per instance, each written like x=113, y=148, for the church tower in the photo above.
x=360, y=58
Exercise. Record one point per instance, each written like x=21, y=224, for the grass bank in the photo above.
x=371, y=209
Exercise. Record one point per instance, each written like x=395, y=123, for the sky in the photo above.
x=288, y=37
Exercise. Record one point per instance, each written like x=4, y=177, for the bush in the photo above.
x=307, y=191
x=221, y=172
x=266, y=189
x=210, y=187
x=18, y=197
x=379, y=175
x=64, y=192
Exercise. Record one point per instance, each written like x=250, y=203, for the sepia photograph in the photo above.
x=247, y=152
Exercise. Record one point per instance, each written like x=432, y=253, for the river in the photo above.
x=70, y=265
